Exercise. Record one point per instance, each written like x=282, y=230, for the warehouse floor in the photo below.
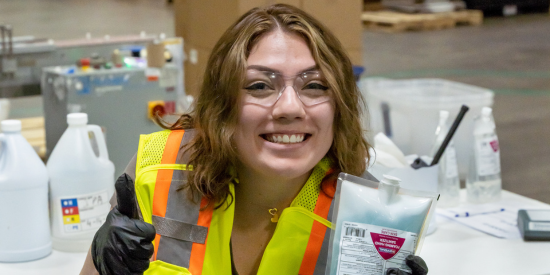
x=509, y=55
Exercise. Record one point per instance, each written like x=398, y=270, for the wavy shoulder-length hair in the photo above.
x=214, y=118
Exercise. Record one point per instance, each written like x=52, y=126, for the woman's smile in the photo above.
x=285, y=138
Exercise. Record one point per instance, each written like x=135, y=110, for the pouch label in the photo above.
x=84, y=212
x=387, y=245
x=371, y=250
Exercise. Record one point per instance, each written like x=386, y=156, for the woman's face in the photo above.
x=288, y=138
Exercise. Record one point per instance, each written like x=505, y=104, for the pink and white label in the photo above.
x=386, y=245
x=494, y=145
x=488, y=156
x=371, y=250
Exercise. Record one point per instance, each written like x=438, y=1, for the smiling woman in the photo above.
x=244, y=184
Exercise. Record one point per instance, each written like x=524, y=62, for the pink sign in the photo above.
x=386, y=245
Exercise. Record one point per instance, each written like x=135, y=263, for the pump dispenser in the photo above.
x=484, y=183
x=81, y=185
x=24, y=220
x=448, y=181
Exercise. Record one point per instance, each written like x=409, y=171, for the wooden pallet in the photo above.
x=391, y=21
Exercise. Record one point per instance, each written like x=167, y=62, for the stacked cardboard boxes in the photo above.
x=202, y=22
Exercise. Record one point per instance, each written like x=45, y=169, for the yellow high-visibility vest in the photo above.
x=193, y=240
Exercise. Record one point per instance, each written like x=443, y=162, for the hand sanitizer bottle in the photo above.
x=483, y=183
x=448, y=182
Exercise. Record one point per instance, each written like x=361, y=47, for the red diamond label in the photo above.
x=387, y=246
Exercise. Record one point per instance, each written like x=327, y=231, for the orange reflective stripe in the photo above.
x=318, y=230
x=199, y=250
x=157, y=241
x=164, y=178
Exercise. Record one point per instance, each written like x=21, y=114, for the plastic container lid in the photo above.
x=391, y=180
x=426, y=93
x=486, y=111
x=11, y=125
x=76, y=119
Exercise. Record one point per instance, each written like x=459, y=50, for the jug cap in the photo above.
x=391, y=180
x=77, y=119
x=11, y=125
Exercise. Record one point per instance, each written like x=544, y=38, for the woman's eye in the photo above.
x=315, y=86
x=258, y=86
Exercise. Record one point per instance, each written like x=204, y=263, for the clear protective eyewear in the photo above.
x=266, y=87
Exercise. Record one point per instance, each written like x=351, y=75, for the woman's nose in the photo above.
x=289, y=105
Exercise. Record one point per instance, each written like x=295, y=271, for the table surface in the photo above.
x=452, y=249
x=457, y=249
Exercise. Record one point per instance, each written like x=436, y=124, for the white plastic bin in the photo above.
x=412, y=106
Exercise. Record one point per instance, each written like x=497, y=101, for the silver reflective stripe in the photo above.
x=321, y=265
x=177, y=251
x=180, y=230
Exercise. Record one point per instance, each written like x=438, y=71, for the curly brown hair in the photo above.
x=212, y=152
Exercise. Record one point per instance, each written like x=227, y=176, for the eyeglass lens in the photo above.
x=265, y=88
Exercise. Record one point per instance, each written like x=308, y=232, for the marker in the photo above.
x=470, y=213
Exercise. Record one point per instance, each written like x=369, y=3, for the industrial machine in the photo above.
x=121, y=100
x=22, y=58
x=119, y=81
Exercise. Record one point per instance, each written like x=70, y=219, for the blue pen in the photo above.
x=470, y=213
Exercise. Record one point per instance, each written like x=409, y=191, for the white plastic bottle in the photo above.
x=81, y=185
x=448, y=181
x=24, y=219
x=483, y=183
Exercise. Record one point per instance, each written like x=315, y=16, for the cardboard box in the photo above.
x=356, y=56
x=202, y=22
x=194, y=68
x=342, y=17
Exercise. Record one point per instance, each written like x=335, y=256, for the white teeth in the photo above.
x=296, y=138
x=286, y=139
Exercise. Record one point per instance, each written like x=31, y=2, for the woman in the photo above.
x=278, y=117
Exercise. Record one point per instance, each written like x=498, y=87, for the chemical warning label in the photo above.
x=370, y=250
x=84, y=212
x=488, y=156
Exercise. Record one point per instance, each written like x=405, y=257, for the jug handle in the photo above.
x=2, y=148
x=100, y=139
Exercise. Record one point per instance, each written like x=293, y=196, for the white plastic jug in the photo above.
x=81, y=185
x=24, y=220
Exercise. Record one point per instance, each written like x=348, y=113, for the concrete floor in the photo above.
x=508, y=55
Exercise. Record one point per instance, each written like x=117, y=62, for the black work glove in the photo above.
x=415, y=263
x=123, y=244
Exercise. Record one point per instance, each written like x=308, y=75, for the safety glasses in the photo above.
x=266, y=87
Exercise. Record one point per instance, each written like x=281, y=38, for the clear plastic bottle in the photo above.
x=484, y=183
x=448, y=181
x=24, y=218
x=81, y=185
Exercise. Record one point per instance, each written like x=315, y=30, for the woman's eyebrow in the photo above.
x=267, y=69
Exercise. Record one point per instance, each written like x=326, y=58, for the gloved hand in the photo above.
x=123, y=244
x=417, y=265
